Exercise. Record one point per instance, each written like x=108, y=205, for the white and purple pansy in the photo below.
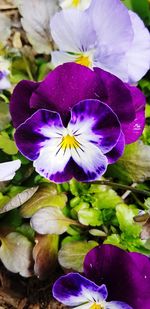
x=106, y=35
x=79, y=150
x=76, y=121
x=4, y=72
x=76, y=291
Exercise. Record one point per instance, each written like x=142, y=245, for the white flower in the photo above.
x=8, y=169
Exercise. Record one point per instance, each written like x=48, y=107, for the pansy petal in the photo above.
x=93, y=121
x=59, y=57
x=133, y=130
x=19, y=104
x=138, y=55
x=32, y=135
x=76, y=83
x=117, y=151
x=93, y=167
x=118, y=98
x=82, y=4
x=72, y=31
x=8, y=169
x=74, y=290
x=117, y=305
x=127, y=275
x=112, y=24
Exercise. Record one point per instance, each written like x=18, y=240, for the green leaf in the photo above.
x=104, y=197
x=90, y=216
x=4, y=115
x=26, y=230
x=115, y=240
x=3, y=200
x=46, y=196
x=140, y=7
x=7, y=145
x=136, y=162
x=72, y=254
x=125, y=215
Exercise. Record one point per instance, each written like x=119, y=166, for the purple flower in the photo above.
x=76, y=121
x=126, y=274
x=76, y=291
x=107, y=35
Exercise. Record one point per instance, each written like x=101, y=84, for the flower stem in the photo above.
x=121, y=186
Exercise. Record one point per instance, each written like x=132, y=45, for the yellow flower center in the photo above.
x=69, y=141
x=96, y=306
x=84, y=60
x=75, y=3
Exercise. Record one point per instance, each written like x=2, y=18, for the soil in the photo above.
x=21, y=293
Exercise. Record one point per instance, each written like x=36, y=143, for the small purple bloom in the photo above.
x=76, y=291
x=126, y=274
x=4, y=82
x=76, y=121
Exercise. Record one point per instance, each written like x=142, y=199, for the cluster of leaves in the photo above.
x=41, y=223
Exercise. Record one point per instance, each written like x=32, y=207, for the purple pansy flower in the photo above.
x=76, y=291
x=126, y=275
x=76, y=121
x=106, y=35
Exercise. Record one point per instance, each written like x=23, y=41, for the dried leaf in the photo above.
x=36, y=15
x=50, y=220
x=19, y=199
x=5, y=28
x=15, y=253
x=45, y=255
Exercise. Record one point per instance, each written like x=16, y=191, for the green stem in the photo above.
x=28, y=68
x=121, y=186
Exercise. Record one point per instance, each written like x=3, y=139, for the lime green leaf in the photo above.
x=71, y=255
x=90, y=217
x=26, y=230
x=115, y=240
x=4, y=115
x=46, y=196
x=3, y=200
x=7, y=145
x=125, y=215
x=104, y=197
x=15, y=253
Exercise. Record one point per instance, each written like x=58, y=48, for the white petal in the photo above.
x=59, y=58
x=4, y=83
x=112, y=24
x=36, y=19
x=52, y=160
x=72, y=31
x=8, y=169
x=91, y=160
x=138, y=56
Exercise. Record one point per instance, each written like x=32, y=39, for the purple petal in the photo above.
x=133, y=130
x=117, y=151
x=126, y=275
x=74, y=290
x=116, y=95
x=71, y=83
x=30, y=137
x=19, y=104
x=97, y=123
